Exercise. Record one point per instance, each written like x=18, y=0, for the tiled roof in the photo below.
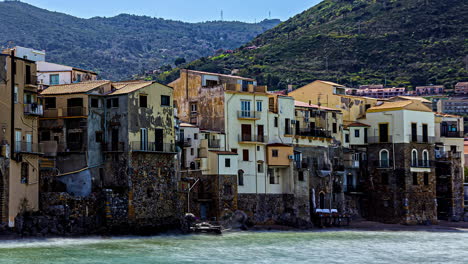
x=302, y=104
x=222, y=75
x=223, y=152
x=74, y=88
x=400, y=105
x=331, y=83
x=412, y=98
x=357, y=124
x=128, y=87
x=187, y=125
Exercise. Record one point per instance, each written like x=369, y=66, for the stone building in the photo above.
x=401, y=187
x=449, y=166
x=20, y=110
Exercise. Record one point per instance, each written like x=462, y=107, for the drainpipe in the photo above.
x=12, y=111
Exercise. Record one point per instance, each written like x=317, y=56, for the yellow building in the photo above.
x=333, y=95
x=19, y=158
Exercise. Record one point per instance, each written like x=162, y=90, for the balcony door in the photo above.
x=159, y=139
x=115, y=139
x=144, y=139
x=246, y=133
x=245, y=108
x=75, y=107
x=29, y=141
x=260, y=133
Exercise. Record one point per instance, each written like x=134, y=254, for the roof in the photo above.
x=400, y=105
x=330, y=83
x=129, y=87
x=412, y=98
x=222, y=75
x=73, y=68
x=223, y=152
x=187, y=125
x=278, y=145
x=74, y=88
x=462, y=83
x=357, y=124
x=302, y=104
x=447, y=115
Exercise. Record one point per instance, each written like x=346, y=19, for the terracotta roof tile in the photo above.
x=81, y=87
x=128, y=87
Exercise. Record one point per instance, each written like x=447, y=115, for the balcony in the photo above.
x=249, y=115
x=421, y=164
x=380, y=140
x=421, y=139
x=23, y=147
x=338, y=167
x=152, y=147
x=66, y=112
x=383, y=164
x=314, y=133
x=214, y=143
x=253, y=139
x=115, y=147
x=452, y=134
x=186, y=142
x=33, y=109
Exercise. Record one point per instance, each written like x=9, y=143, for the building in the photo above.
x=429, y=90
x=380, y=92
x=461, y=88
x=449, y=166
x=27, y=53
x=401, y=187
x=332, y=95
x=453, y=106
x=245, y=113
x=19, y=120
x=56, y=74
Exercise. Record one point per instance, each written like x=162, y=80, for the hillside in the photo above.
x=353, y=42
x=120, y=46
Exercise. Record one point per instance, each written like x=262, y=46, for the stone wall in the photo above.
x=271, y=209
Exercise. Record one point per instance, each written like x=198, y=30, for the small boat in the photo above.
x=205, y=227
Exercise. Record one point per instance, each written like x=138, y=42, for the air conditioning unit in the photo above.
x=291, y=157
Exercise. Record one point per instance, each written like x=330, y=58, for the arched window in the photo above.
x=240, y=177
x=425, y=160
x=384, y=158
x=414, y=158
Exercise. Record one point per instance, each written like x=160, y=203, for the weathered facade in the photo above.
x=19, y=158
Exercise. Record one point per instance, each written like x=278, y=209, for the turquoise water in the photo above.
x=248, y=247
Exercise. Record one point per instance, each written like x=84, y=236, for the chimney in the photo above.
x=290, y=88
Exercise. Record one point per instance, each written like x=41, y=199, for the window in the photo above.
x=45, y=136
x=99, y=137
x=192, y=151
x=245, y=109
x=274, y=153
x=245, y=155
x=28, y=76
x=258, y=148
x=426, y=178
x=194, y=108
x=425, y=133
x=78, y=77
x=195, y=136
x=95, y=103
x=347, y=138
x=414, y=132
x=240, y=177
x=356, y=133
x=287, y=126
x=259, y=167
x=165, y=100
x=54, y=79
x=115, y=102
x=335, y=128
x=365, y=134
x=143, y=100
x=15, y=95
x=259, y=106
x=276, y=121
x=414, y=158
x=272, y=176
x=384, y=159
x=234, y=150
x=415, y=178
x=109, y=103
x=425, y=161
x=384, y=179
x=24, y=172
x=300, y=176
x=383, y=133
x=50, y=103
x=227, y=163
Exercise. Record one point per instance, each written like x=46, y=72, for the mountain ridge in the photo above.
x=121, y=46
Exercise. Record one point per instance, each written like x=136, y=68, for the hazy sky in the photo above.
x=185, y=10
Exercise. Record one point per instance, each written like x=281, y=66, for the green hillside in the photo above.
x=353, y=42
x=121, y=46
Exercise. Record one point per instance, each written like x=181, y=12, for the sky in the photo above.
x=184, y=10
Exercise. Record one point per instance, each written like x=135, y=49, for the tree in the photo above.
x=179, y=61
